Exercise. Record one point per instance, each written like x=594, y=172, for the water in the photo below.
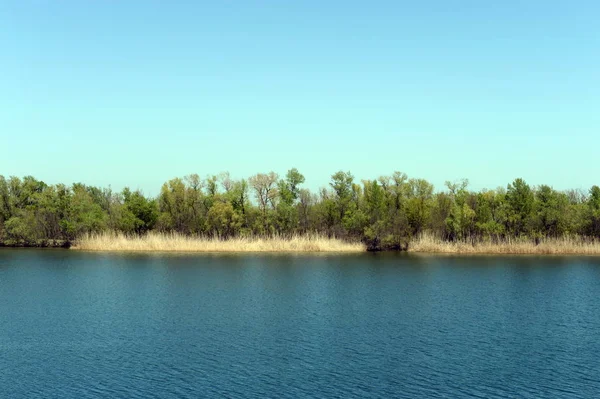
x=85, y=325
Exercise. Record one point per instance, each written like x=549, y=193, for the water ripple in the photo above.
x=87, y=326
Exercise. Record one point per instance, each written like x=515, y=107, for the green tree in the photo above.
x=238, y=196
x=224, y=221
x=173, y=207
x=519, y=198
x=419, y=203
x=490, y=214
x=142, y=213
x=342, y=183
x=593, y=203
x=286, y=212
x=549, y=211
x=460, y=223
x=83, y=215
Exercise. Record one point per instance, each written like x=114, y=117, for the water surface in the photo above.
x=87, y=325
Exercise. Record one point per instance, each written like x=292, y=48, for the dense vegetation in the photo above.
x=384, y=213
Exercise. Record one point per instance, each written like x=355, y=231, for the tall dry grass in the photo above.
x=161, y=242
x=554, y=246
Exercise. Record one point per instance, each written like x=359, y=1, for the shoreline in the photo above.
x=52, y=244
x=156, y=242
x=548, y=246
x=318, y=244
x=307, y=251
x=426, y=245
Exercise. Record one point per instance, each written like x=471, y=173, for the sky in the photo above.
x=134, y=93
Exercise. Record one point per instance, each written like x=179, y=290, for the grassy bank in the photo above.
x=158, y=242
x=555, y=246
x=178, y=243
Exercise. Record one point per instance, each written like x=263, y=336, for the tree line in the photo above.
x=384, y=213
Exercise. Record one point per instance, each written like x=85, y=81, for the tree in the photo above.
x=341, y=182
x=264, y=185
x=142, y=213
x=223, y=220
x=460, y=223
x=226, y=182
x=374, y=218
x=549, y=211
x=173, y=207
x=593, y=203
x=287, y=215
x=384, y=213
x=490, y=214
x=238, y=196
x=83, y=215
x=519, y=198
x=293, y=179
x=418, y=209
x=306, y=201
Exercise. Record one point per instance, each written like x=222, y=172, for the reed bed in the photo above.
x=161, y=242
x=548, y=246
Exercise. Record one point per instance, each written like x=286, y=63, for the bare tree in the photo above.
x=576, y=196
x=306, y=200
x=226, y=181
x=265, y=188
x=194, y=181
x=194, y=197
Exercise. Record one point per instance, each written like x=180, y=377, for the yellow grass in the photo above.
x=157, y=242
x=558, y=246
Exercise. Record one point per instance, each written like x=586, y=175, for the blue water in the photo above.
x=85, y=325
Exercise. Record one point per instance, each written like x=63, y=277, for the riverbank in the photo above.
x=156, y=242
x=36, y=244
x=160, y=242
x=547, y=246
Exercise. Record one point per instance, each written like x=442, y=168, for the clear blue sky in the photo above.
x=137, y=92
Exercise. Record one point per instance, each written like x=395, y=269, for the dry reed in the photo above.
x=548, y=246
x=161, y=242
x=157, y=242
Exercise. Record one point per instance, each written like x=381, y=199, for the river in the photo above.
x=92, y=325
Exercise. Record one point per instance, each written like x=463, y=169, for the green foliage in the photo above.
x=139, y=213
x=175, y=207
x=293, y=179
x=84, y=216
x=224, y=221
x=520, y=199
x=460, y=222
x=286, y=215
x=593, y=213
x=549, y=212
x=490, y=214
x=419, y=203
x=21, y=228
x=384, y=213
